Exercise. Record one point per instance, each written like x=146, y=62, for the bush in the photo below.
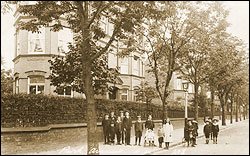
x=23, y=110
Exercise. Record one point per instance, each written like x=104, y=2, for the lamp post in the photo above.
x=185, y=88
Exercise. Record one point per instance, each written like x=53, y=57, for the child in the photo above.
x=138, y=130
x=149, y=137
x=168, y=131
x=112, y=128
x=215, y=130
x=118, y=130
x=105, y=125
x=207, y=131
x=149, y=124
x=160, y=136
x=195, y=131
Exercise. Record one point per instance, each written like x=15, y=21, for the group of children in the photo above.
x=211, y=129
x=120, y=127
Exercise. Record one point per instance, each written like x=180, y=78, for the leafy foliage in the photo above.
x=6, y=79
x=23, y=110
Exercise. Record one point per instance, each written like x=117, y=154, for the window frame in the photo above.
x=35, y=84
x=41, y=37
x=124, y=94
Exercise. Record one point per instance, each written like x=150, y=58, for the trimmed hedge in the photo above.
x=23, y=110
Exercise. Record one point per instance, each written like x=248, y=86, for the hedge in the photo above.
x=23, y=110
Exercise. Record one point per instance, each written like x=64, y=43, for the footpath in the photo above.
x=131, y=150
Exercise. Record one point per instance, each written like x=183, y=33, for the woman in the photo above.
x=168, y=130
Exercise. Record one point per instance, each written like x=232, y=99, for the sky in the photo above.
x=238, y=18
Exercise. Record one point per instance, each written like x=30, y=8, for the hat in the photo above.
x=207, y=121
x=138, y=116
x=121, y=111
x=215, y=119
x=194, y=121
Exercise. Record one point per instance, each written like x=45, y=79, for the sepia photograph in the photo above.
x=124, y=77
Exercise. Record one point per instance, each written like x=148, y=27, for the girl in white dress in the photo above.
x=168, y=131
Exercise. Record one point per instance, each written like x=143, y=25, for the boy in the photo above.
x=105, y=125
x=138, y=130
x=215, y=130
x=127, y=124
x=207, y=131
x=195, y=131
x=118, y=129
x=160, y=136
x=122, y=132
x=112, y=128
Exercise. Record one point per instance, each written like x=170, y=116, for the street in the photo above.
x=231, y=141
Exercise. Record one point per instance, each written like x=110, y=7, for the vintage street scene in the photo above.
x=124, y=77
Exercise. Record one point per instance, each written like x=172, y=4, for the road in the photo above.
x=231, y=141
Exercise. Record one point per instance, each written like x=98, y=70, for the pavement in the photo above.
x=81, y=149
x=233, y=140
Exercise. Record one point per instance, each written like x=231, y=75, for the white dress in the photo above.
x=168, y=131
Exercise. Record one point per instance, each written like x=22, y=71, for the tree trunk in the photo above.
x=222, y=102
x=196, y=115
x=231, y=114
x=93, y=146
x=164, y=111
x=237, y=110
x=244, y=113
x=223, y=115
x=212, y=103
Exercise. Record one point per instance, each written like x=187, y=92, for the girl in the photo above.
x=168, y=130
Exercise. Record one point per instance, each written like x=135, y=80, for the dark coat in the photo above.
x=127, y=123
x=188, y=129
x=207, y=129
x=118, y=126
x=112, y=124
x=138, y=126
x=195, y=131
x=150, y=124
x=105, y=125
x=215, y=129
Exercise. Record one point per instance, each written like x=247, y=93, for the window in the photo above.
x=65, y=91
x=36, y=84
x=17, y=86
x=179, y=84
x=64, y=37
x=36, y=42
x=136, y=65
x=124, y=94
x=124, y=65
x=103, y=24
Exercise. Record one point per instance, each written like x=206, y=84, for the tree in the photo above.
x=5, y=7
x=146, y=93
x=83, y=18
x=68, y=71
x=225, y=62
x=6, y=80
x=166, y=36
x=211, y=20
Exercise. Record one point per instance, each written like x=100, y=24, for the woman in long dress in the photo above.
x=168, y=131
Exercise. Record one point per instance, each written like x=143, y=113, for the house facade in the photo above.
x=32, y=69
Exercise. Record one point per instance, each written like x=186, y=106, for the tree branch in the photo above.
x=109, y=42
